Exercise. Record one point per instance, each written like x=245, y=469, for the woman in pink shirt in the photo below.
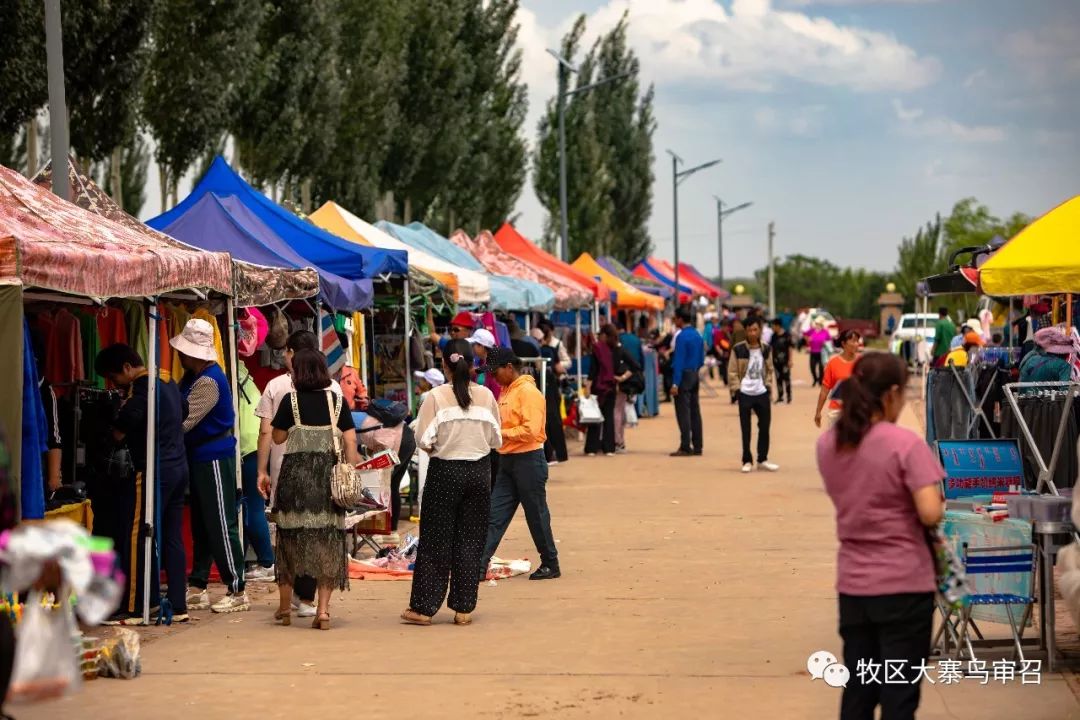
x=815, y=340
x=884, y=481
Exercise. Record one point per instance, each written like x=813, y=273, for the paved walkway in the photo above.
x=688, y=590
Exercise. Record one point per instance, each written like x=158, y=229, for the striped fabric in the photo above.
x=331, y=345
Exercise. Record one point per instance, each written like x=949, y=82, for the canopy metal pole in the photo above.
x=234, y=380
x=149, y=474
x=596, y=317
x=577, y=345
x=364, y=350
x=408, y=354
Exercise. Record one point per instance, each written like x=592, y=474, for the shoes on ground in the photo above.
x=748, y=467
x=546, y=572
x=234, y=602
x=695, y=452
x=768, y=466
x=621, y=450
x=590, y=454
x=552, y=463
x=681, y=453
x=260, y=574
x=303, y=609
x=609, y=454
x=198, y=599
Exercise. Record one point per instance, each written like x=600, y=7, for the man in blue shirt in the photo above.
x=689, y=356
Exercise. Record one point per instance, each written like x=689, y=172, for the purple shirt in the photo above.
x=817, y=339
x=883, y=548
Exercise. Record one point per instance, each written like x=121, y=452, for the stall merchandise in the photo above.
x=568, y=294
x=507, y=293
x=254, y=285
x=322, y=249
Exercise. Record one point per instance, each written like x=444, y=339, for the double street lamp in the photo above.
x=677, y=176
x=565, y=68
x=721, y=214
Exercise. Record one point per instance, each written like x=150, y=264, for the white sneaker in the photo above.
x=304, y=610
x=237, y=602
x=260, y=574
x=768, y=466
x=748, y=467
x=198, y=599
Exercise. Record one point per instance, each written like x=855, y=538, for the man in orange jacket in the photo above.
x=523, y=468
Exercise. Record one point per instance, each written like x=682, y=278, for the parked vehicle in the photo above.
x=913, y=336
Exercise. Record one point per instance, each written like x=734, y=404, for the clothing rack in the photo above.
x=1050, y=392
x=977, y=412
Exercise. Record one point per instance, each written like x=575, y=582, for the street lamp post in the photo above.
x=677, y=176
x=565, y=68
x=721, y=213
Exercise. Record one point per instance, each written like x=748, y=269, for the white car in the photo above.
x=911, y=333
x=808, y=320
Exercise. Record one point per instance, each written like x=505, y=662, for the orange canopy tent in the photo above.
x=514, y=243
x=626, y=295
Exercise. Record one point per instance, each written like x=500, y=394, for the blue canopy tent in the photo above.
x=227, y=225
x=507, y=293
x=616, y=267
x=322, y=249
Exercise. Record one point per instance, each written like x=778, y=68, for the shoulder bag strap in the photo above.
x=338, y=450
x=294, y=400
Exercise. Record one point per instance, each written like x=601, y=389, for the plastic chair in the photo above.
x=989, y=568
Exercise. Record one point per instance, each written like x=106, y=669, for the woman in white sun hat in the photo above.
x=211, y=447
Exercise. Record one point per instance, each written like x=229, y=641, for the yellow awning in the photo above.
x=329, y=218
x=626, y=295
x=1042, y=259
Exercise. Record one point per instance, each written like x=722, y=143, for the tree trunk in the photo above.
x=163, y=184
x=406, y=217
x=274, y=192
x=305, y=196
x=116, y=177
x=288, y=196
x=175, y=188
x=32, y=147
x=450, y=222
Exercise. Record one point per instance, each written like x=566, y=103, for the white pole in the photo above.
x=596, y=317
x=408, y=354
x=362, y=332
x=528, y=323
x=772, y=272
x=233, y=358
x=149, y=475
x=577, y=345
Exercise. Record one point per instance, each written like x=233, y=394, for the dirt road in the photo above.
x=688, y=590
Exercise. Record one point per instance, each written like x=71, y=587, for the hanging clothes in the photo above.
x=64, y=353
x=34, y=432
x=1043, y=418
x=356, y=342
x=88, y=326
x=138, y=333
x=330, y=344
x=164, y=355
x=204, y=314
x=178, y=317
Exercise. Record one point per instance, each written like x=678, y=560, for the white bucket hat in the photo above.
x=484, y=338
x=434, y=377
x=197, y=340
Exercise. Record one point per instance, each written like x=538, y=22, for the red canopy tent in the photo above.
x=514, y=243
x=685, y=279
x=691, y=272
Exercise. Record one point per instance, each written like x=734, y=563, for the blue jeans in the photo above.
x=256, y=529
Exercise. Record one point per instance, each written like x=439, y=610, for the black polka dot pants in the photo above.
x=453, y=528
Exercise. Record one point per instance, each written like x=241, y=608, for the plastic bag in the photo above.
x=631, y=415
x=46, y=665
x=119, y=657
x=589, y=411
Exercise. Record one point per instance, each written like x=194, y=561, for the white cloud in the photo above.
x=974, y=78
x=805, y=3
x=751, y=47
x=1049, y=54
x=803, y=122
x=915, y=123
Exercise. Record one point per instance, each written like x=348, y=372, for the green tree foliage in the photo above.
x=23, y=86
x=589, y=181
x=200, y=55
x=919, y=257
x=134, y=161
x=489, y=177
x=372, y=69
x=609, y=153
x=971, y=224
x=803, y=281
x=289, y=106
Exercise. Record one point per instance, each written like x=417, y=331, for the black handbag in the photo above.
x=118, y=463
x=633, y=385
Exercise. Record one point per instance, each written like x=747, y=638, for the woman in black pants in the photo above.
x=884, y=481
x=555, y=445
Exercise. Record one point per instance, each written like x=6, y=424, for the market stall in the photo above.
x=715, y=291
x=646, y=285
x=75, y=270
x=626, y=295
x=652, y=269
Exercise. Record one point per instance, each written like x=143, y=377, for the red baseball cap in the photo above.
x=463, y=319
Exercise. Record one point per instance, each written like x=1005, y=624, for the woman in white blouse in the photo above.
x=458, y=427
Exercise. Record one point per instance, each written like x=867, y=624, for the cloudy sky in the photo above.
x=847, y=122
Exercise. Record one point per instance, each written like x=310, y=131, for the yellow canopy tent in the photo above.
x=1042, y=259
x=334, y=218
x=627, y=296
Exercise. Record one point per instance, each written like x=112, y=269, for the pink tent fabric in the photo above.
x=48, y=243
x=568, y=294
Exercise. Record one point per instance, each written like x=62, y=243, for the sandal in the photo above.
x=411, y=617
x=284, y=617
x=463, y=618
x=321, y=622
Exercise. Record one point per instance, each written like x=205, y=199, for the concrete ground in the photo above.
x=688, y=590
